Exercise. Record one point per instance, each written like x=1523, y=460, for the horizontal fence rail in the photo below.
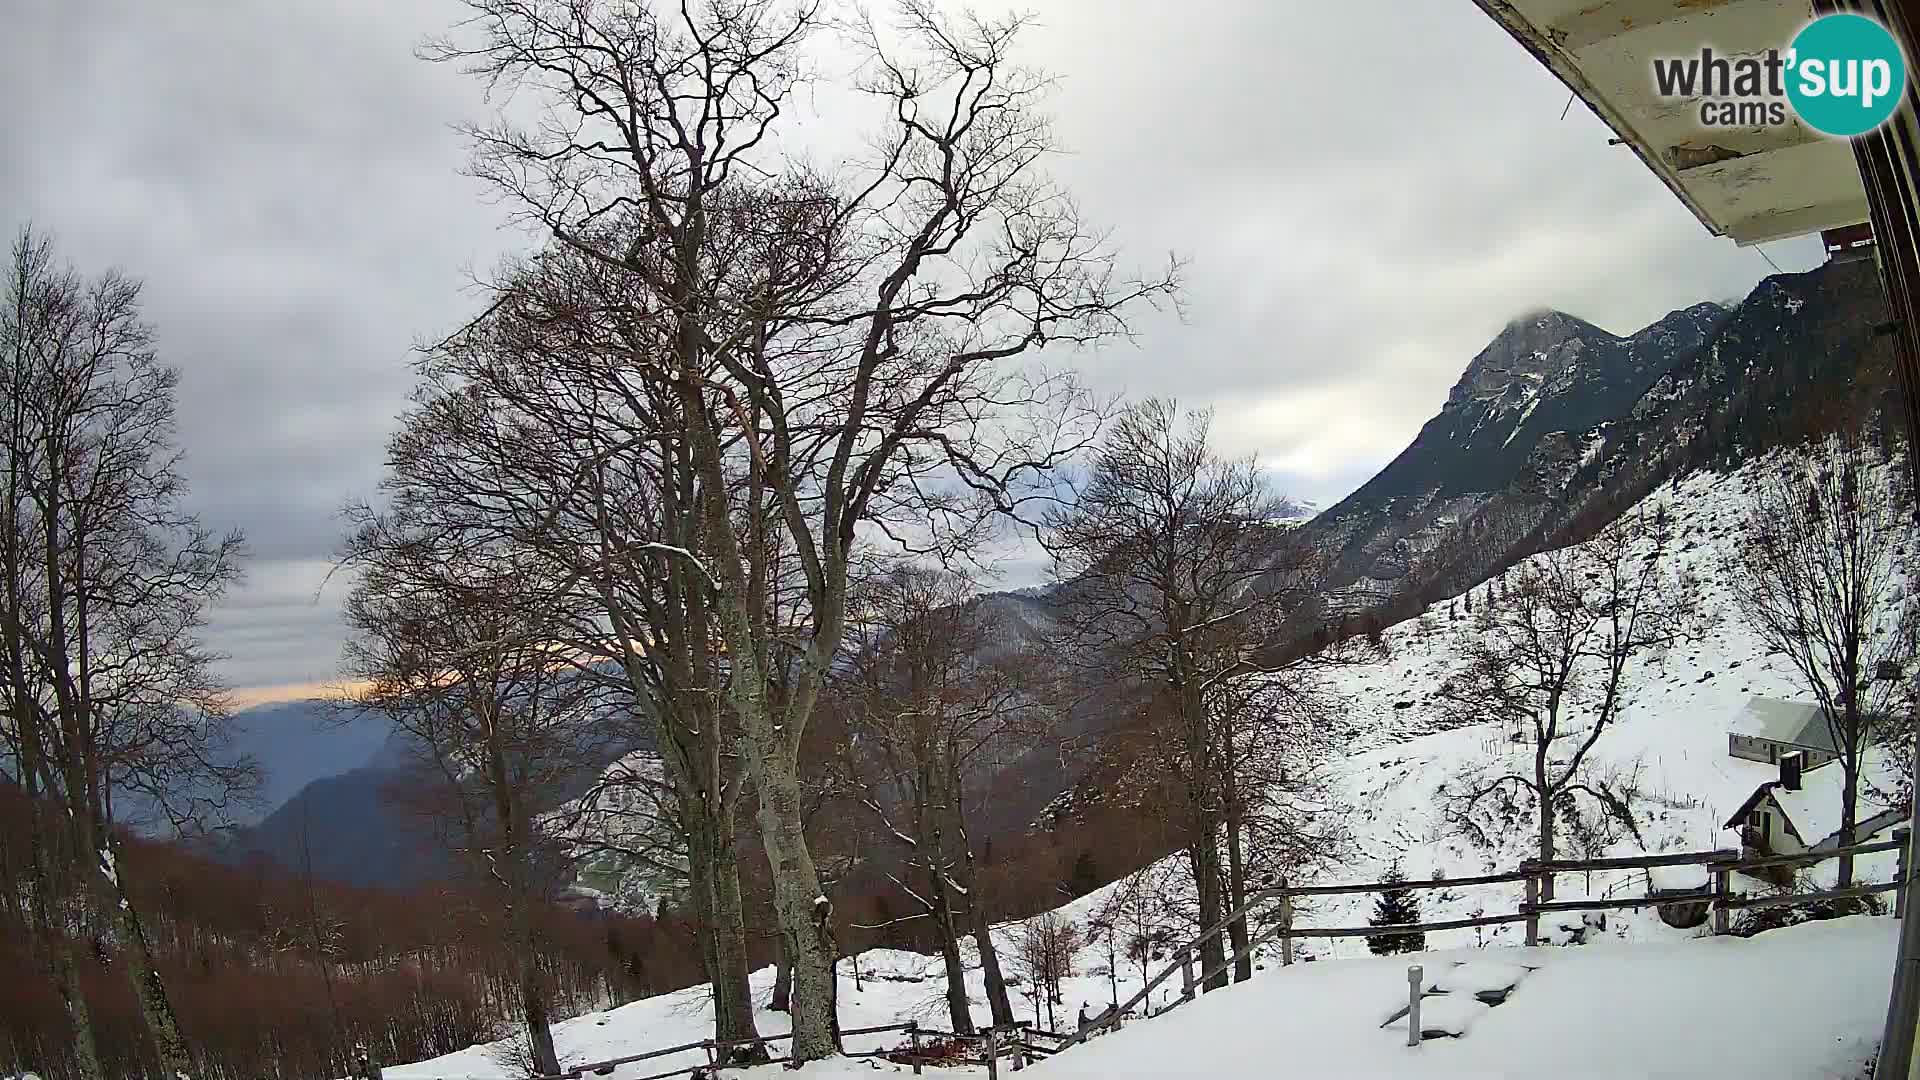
x=717, y=1053
x=1023, y=1041
x=1718, y=865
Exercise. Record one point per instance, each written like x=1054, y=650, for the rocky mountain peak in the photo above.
x=1683, y=324
x=1531, y=351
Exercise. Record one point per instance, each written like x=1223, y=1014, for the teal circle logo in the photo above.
x=1845, y=75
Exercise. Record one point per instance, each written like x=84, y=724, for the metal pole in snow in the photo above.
x=1416, y=978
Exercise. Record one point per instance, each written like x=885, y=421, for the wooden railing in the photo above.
x=718, y=1054
x=1023, y=1042
x=1720, y=864
x=1020, y=1041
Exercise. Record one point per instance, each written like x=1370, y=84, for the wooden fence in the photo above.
x=718, y=1054
x=1022, y=1042
x=1720, y=866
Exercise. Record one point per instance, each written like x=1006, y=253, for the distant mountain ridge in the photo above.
x=1556, y=426
x=1799, y=354
x=350, y=823
x=298, y=742
x=1545, y=373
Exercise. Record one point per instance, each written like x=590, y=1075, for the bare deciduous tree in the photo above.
x=838, y=346
x=1158, y=561
x=458, y=646
x=540, y=426
x=1817, y=575
x=1044, y=949
x=109, y=693
x=932, y=700
x=1551, y=660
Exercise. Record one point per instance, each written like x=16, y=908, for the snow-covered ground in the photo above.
x=1639, y=999
x=1802, y=1002
x=1673, y=733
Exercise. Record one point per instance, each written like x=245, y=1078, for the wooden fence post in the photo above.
x=913, y=1032
x=993, y=1053
x=1900, y=836
x=1416, y=981
x=1186, y=975
x=1286, y=926
x=1722, y=892
x=1533, y=898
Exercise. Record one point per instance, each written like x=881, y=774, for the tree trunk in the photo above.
x=930, y=819
x=176, y=1061
x=719, y=918
x=999, y=1003
x=959, y=1012
x=539, y=1017
x=1237, y=899
x=732, y=994
x=61, y=948
x=783, y=981
x=1203, y=858
x=1546, y=845
x=1203, y=834
x=1544, y=792
x=66, y=977
x=1849, y=809
x=801, y=910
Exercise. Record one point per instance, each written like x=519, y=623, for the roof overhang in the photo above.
x=1752, y=184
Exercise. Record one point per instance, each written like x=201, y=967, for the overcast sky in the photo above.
x=1367, y=192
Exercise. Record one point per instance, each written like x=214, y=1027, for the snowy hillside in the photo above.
x=1686, y=1000
x=1673, y=731
x=1802, y=1002
x=627, y=858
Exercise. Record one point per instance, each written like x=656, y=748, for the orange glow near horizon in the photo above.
x=248, y=697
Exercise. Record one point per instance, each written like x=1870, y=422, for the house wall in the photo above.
x=1817, y=758
x=1779, y=839
x=1768, y=751
x=1746, y=746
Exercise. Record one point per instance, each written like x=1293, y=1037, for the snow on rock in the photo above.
x=1446, y=1014
x=1480, y=977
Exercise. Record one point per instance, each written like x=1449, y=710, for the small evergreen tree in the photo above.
x=1395, y=907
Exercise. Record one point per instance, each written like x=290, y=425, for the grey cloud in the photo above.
x=1367, y=192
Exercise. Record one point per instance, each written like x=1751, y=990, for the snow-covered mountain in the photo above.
x=1557, y=425
x=1673, y=733
x=1658, y=983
